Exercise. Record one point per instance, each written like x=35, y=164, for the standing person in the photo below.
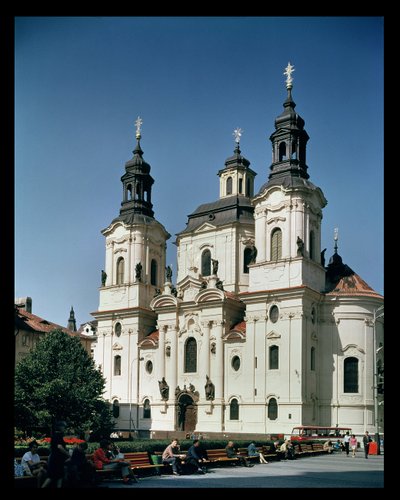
x=194, y=456
x=353, y=445
x=171, y=456
x=102, y=461
x=80, y=472
x=366, y=440
x=347, y=443
x=32, y=464
x=58, y=456
x=252, y=452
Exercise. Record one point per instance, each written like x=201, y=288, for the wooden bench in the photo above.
x=243, y=453
x=304, y=449
x=318, y=448
x=142, y=461
x=219, y=456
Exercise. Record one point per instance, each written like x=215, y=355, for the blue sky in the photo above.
x=80, y=83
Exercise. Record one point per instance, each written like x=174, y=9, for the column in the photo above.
x=161, y=352
x=205, y=358
x=219, y=362
x=174, y=359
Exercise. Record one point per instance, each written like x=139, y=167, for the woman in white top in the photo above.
x=32, y=464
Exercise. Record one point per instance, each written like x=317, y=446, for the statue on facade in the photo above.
x=253, y=255
x=300, y=247
x=103, y=278
x=157, y=292
x=214, y=266
x=323, y=257
x=219, y=285
x=192, y=388
x=168, y=273
x=138, y=271
x=177, y=390
x=164, y=389
x=203, y=285
x=210, y=389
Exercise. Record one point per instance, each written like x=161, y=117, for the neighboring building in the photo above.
x=258, y=336
x=29, y=329
x=89, y=329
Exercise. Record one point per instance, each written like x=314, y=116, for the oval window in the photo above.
x=149, y=367
x=236, y=363
x=274, y=314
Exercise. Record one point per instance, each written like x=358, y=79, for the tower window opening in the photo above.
x=247, y=257
x=117, y=365
x=234, y=410
x=276, y=244
x=294, y=151
x=120, y=270
x=229, y=185
x=282, y=151
x=240, y=186
x=312, y=245
x=129, y=191
x=248, y=188
x=153, y=272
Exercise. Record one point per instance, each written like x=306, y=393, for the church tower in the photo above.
x=288, y=210
x=223, y=230
x=134, y=270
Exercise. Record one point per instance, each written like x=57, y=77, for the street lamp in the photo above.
x=377, y=315
x=130, y=393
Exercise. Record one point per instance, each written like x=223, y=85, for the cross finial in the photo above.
x=138, y=124
x=288, y=72
x=336, y=237
x=237, y=133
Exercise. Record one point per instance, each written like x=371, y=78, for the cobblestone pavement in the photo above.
x=324, y=471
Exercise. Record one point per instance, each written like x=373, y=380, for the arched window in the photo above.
x=276, y=244
x=274, y=357
x=350, y=368
x=282, y=151
x=153, y=272
x=117, y=329
x=191, y=355
x=206, y=263
x=240, y=186
x=129, y=190
x=117, y=365
x=312, y=245
x=272, y=409
x=229, y=185
x=234, y=410
x=248, y=254
x=312, y=359
x=115, y=408
x=137, y=191
x=120, y=270
x=146, y=409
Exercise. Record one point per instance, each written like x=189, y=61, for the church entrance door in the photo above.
x=187, y=414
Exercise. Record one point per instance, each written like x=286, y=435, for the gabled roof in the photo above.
x=28, y=321
x=151, y=340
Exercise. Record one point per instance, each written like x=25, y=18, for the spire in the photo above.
x=71, y=321
x=137, y=181
x=236, y=178
x=289, y=139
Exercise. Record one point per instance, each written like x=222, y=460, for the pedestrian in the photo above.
x=353, y=445
x=58, y=456
x=347, y=443
x=366, y=440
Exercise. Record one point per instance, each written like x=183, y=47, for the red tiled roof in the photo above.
x=153, y=335
x=353, y=285
x=239, y=327
x=40, y=325
x=231, y=295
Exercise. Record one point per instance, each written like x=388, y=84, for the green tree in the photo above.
x=59, y=381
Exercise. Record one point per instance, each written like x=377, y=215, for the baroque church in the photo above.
x=258, y=335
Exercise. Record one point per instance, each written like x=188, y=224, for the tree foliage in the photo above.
x=59, y=381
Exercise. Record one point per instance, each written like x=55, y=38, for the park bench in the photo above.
x=219, y=456
x=318, y=448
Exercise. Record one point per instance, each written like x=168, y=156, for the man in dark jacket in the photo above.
x=231, y=453
x=366, y=440
x=195, y=456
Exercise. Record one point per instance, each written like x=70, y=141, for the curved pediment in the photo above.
x=163, y=301
x=352, y=349
x=235, y=336
x=209, y=294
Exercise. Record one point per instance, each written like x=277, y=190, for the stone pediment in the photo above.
x=273, y=335
x=209, y=294
x=163, y=301
x=188, y=288
x=117, y=346
x=352, y=349
x=205, y=227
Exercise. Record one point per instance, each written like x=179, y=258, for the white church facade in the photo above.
x=257, y=335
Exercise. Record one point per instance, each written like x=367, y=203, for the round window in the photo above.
x=149, y=367
x=236, y=363
x=117, y=329
x=274, y=314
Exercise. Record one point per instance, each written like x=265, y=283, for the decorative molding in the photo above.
x=119, y=250
x=273, y=335
x=314, y=336
x=352, y=348
x=117, y=346
x=275, y=220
